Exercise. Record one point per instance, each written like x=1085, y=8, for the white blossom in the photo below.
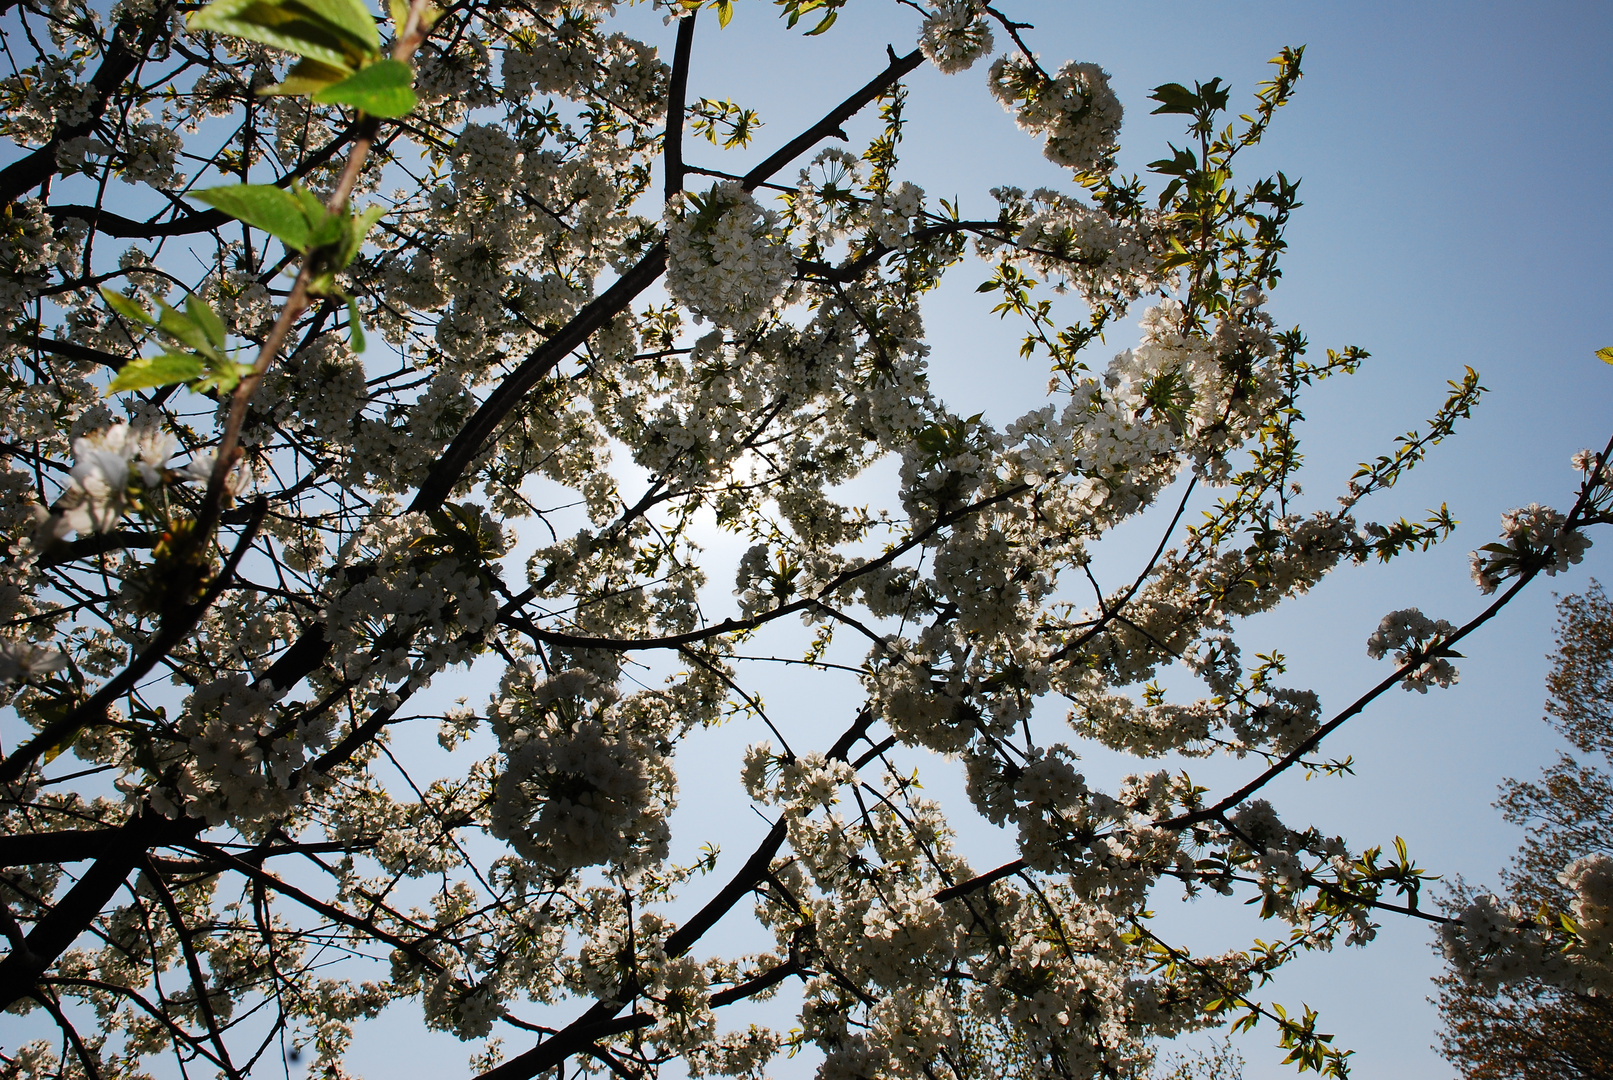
x=1075, y=110
x=725, y=256
x=955, y=35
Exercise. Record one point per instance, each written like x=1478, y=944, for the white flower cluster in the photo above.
x=111, y=468
x=578, y=788
x=727, y=261
x=1596, y=471
x=29, y=247
x=803, y=784
x=1527, y=534
x=955, y=35
x=1075, y=109
x=150, y=155
x=237, y=760
x=486, y=158
x=1070, y=243
x=1411, y=635
x=1491, y=942
x=420, y=577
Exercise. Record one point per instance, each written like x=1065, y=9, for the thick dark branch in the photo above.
x=73, y=914
x=440, y=481
x=73, y=351
x=86, y=547
x=975, y=884
x=107, y=223
x=577, y=1037
x=68, y=846
x=830, y=124
x=677, y=92
x=751, y=987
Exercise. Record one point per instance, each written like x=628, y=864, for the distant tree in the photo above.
x=1219, y=1062
x=1532, y=1029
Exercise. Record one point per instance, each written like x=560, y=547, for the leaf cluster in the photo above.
x=195, y=355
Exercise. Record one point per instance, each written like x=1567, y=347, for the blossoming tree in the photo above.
x=242, y=546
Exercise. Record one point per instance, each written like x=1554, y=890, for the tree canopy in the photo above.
x=345, y=349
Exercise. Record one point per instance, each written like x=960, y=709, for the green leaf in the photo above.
x=126, y=307
x=223, y=374
x=355, y=328
x=313, y=211
x=352, y=17
x=62, y=747
x=1175, y=98
x=325, y=230
x=383, y=89
x=146, y=372
x=336, y=32
x=307, y=77
x=206, y=318
x=263, y=206
x=182, y=330
x=358, y=227
x=725, y=12
x=1605, y=355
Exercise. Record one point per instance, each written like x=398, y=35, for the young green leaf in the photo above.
x=263, y=206
x=1605, y=355
x=1175, y=98
x=382, y=89
x=223, y=374
x=355, y=328
x=126, y=307
x=307, y=77
x=312, y=209
x=326, y=229
x=352, y=17
x=146, y=372
x=358, y=227
x=183, y=330
x=336, y=32
x=206, y=318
